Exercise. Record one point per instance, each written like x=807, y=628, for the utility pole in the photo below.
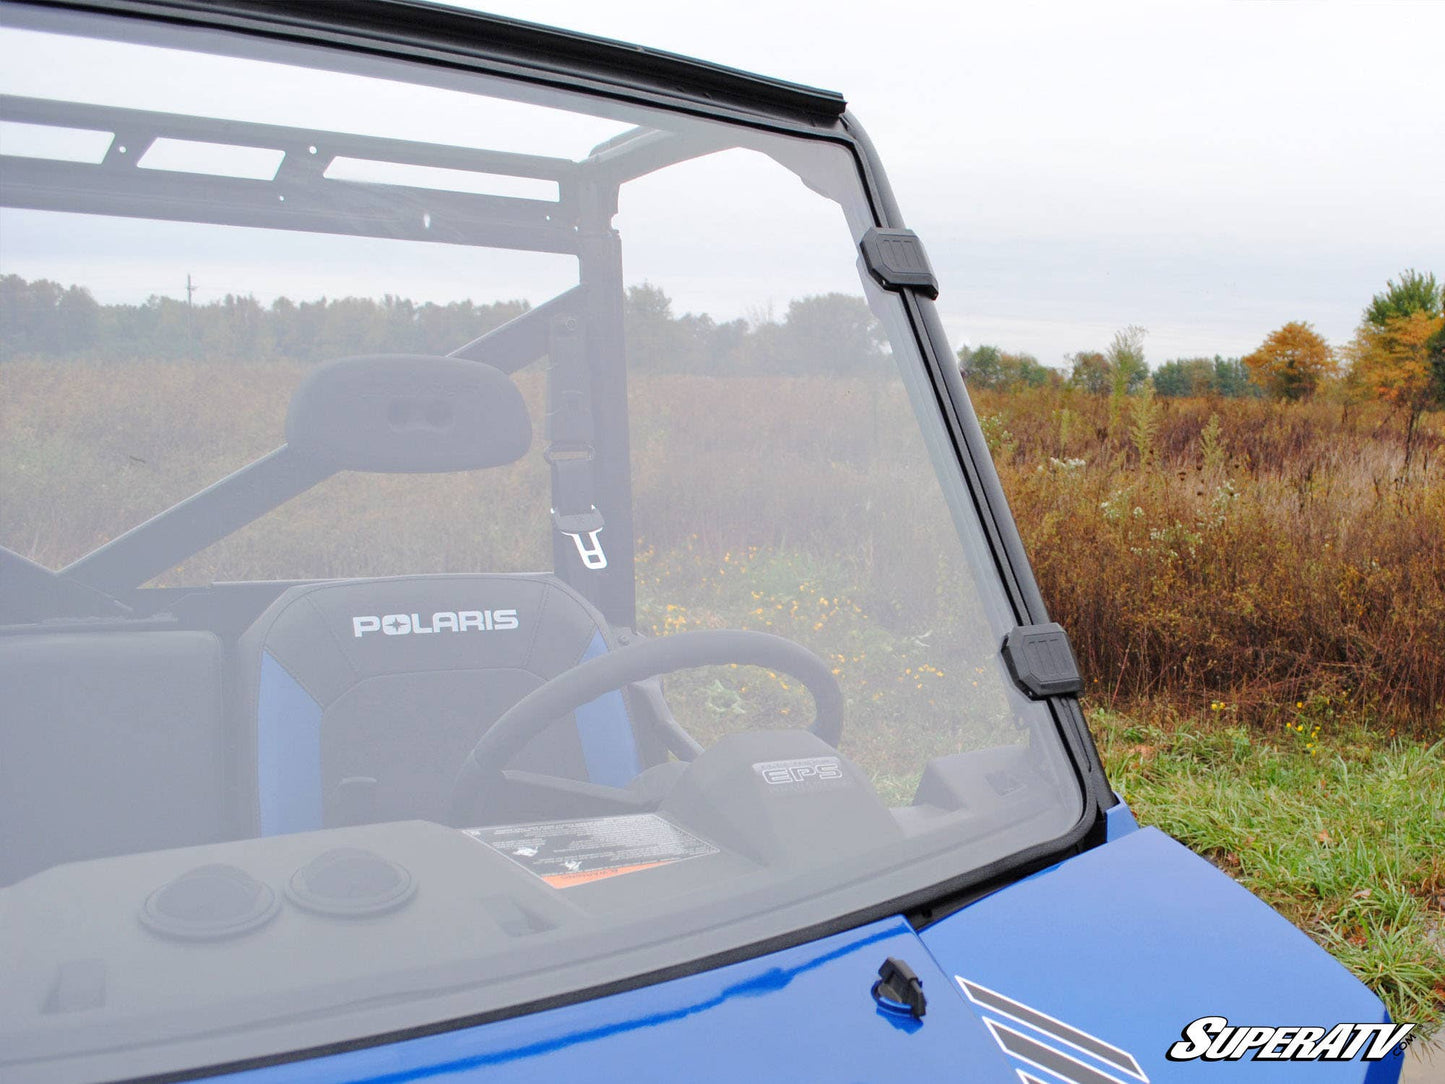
x=190, y=331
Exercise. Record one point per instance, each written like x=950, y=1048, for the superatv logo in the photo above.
x=445, y=621
x=1213, y=1038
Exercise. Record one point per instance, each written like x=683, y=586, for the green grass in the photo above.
x=1340, y=828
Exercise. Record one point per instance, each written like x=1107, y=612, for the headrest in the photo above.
x=408, y=413
x=331, y=634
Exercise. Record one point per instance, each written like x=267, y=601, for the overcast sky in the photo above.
x=1206, y=170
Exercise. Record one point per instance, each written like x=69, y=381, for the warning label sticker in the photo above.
x=569, y=853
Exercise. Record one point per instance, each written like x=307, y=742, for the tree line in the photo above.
x=1120, y=369
x=42, y=319
x=1397, y=355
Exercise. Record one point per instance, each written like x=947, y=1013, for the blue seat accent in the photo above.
x=288, y=753
x=608, y=746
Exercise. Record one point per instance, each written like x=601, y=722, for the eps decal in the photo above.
x=802, y=770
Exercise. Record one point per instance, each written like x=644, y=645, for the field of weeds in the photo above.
x=1256, y=563
x=836, y=538
x=1263, y=561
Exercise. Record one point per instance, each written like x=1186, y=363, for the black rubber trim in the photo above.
x=416, y=24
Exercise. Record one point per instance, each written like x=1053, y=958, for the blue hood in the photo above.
x=804, y=1014
x=1131, y=941
x=1101, y=961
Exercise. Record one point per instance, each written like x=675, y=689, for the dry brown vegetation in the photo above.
x=1243, y=556
x=1235, y=554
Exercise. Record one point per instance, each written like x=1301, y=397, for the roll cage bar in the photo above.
x=301, y=197
x=580, y=329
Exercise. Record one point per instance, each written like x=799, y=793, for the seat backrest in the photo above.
x=112, y=741
x=361, y=697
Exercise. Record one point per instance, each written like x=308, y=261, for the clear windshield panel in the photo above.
x=463, y=543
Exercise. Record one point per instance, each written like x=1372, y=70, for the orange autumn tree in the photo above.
x=1398, y=353
x=1291, y=362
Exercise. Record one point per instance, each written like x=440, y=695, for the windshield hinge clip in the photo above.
x=895, y=258
x=1041, y=661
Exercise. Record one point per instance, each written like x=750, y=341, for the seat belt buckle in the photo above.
x=583, y=528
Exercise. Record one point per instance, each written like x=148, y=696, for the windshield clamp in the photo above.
x=1041, y=662
x=899, y=989
x=895, y=258
x=587, y=523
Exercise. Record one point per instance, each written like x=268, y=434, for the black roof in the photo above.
x=421, y=25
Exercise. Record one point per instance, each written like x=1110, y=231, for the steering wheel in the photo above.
x=582, y=684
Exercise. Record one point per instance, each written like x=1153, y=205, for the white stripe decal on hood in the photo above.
x=1048, y=1043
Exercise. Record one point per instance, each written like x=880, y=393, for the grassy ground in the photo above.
x=1341, y=828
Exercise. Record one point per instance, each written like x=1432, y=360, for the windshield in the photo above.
x=465, y=543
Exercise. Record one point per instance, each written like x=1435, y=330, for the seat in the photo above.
x=112, y=741
x=361, y=698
